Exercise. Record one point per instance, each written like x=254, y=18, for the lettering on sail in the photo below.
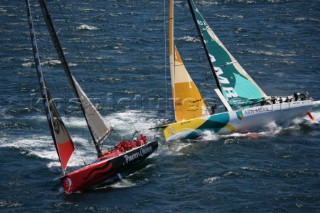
x=229, y=91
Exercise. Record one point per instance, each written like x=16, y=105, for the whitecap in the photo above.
x=188, y=39
x=78, y=122
x=86, y=27
x=27, y=64
x=174, y=148
x=306, y=19
x=210, y=136
x=123, y=183
x=51, y=62
x=129, y=121
x=211, y=179
x=216, y=178
x=270, y=53
x=230, y=17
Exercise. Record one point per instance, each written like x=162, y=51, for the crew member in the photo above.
x=213, y=109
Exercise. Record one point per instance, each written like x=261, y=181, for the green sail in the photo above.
x=235, y=84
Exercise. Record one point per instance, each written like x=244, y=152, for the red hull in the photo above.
x=105, y=168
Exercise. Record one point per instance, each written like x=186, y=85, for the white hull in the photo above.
x=241, y=121
x=258, y=117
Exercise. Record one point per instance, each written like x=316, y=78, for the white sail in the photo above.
x=100, y=129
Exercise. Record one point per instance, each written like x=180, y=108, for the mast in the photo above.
x=62, y=141
x=187, y=100
x=204, y=46
x=172, y=48
x=63, y=60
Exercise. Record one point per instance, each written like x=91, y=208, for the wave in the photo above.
x=76, y=122
x=4, y=114
x=41, y=146
x=253, y=169
x=113, y=80
x=123, y=183
x=27, y=64
x=210, y=136
x=305, y=19
x=174, y=148
x=208, y=3
x=128, y=121
x=52, y=62
x=231, y=17
x=271, y=130
x=3, y=10
x=7, y=59
x=114, y=14
x=86, y=27
x=270, y=53
x=216, y=178
x=188, y=39
x=92, y=10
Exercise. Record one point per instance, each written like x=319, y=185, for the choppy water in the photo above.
x=117, y=51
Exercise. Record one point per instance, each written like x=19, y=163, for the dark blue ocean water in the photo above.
x=117, y=52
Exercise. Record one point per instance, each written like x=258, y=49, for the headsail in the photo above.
x=98, y=128
x=61, y=138
x=234, y=82
x=188, y=102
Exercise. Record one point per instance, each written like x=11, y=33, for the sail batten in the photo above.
x=234, y=82
x=62, y=140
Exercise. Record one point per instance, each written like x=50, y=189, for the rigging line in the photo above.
x=135, y=129
x=64, y=62
x=101, y=144
x=117, y=134
x=132, y=124
x=165, y=56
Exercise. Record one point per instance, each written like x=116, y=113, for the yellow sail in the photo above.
x=187, y=100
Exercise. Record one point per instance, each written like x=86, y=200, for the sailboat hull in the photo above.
x=244, y=120
x=105, y=168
